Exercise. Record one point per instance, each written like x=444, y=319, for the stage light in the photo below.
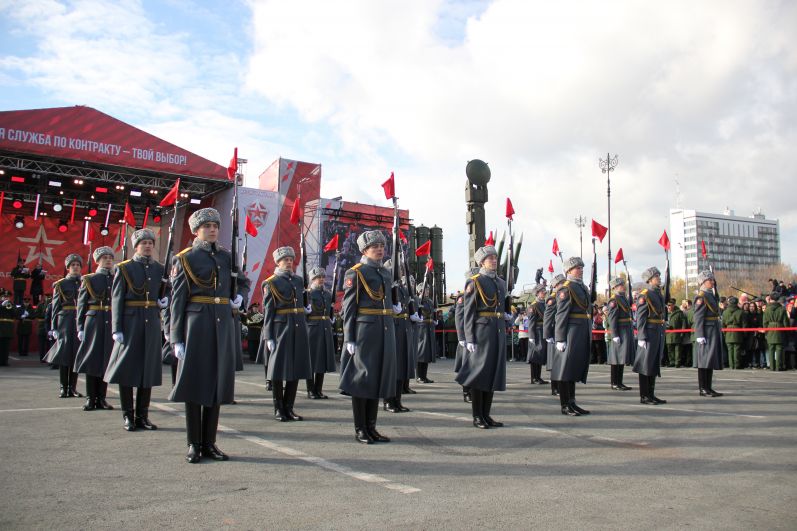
x=195, y=201
x=135, y=193
x=104, y=231
x=63, y=226
x=2, y=172
x=156, y=218
x=184, y=195
x=16, y=203
x=19, y=222
x=92, y=212
x=101, y=190
x=119, y=187
x=61, y=192
x=55, y=183
x=17, y=179
x=57, y=207
x=78, y=181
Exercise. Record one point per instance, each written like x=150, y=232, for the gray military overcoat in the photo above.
x=707, y=324
x=619, y=323
x=322, y=347
x=63, y=321
x=284, y=322
x=650, y=328
x=573, y=326
x=538, y=348
x=94, y=318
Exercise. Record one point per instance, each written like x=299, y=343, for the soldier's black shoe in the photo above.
x=280, y=416
x=321, y=396
x=212, y=451
x=90, y=404
x=194, y=453
x=616, y=387
x=344, y=393
x=714, y=393
x=312, y=396
x=391, y=407
x=480, y=423
x=657, y=400
x=129, y=422
x=624, y=387
x=375, y=435
x=63, y=391
x=103, y=404
x=361, y=436
x=145, y=424
x=402, y=408
x=424, y=380
x=705, y=392
x=540, y=381
x=292, y=415
x=554, y=392
x=577, y=409
x=647, y=401
x=570, y=412
x=492, y=422
x=268, y=385
x=408, y=391
x=466, y=397
x=72, y=393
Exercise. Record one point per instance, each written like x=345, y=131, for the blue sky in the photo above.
x=537, y=89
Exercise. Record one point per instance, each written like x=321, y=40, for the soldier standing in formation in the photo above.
x=405, y=359
x=63, y=325
x=42, y=313
x=322, y=350
x=136, y=356
x=733, y=317
x=24, y=327
x=203, y=333
x=285, y=334
x=483, y=368
x=7, y=314
x=254, y=326
x=425, y=333
x=369, y=371
x=459, y=324
x=549, y=327
x=775, y=316
x=19, y=274
x=708, y=337
x=673, y=342
x=538, y=347
x=94, y=329
x=573, y=335
x=650, y=336
x=622, y=347
x=37, y=277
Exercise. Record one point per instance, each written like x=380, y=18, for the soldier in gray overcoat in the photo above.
x=319, y=326
x=135, y=310
x=412, y=334
x=483, y=367
x=285, y=334
x=202, y=331
x=538, y=348
x=708, y=336
x=63, y=325
x=573, y=336
x=94, y=329
x=405, y=358
x=369, y=336
x=549, y=326
x=427, y=352
x=622, y=347
x=650, y=336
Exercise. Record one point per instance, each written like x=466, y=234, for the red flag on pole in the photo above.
x=619, y=258
x=424, y=249
x=550, y=266
x=250, y=228
x=120, y=239
x=2, y=199
x=402, y=237
x=598, y=231
x=171, y=198
x=130, y=219
x=429, y=264
x=74, y=206
x=510, y=211
x=490, y=240
x=332, y=245
x=295, y=212
x=146, y=216
x=232, y=169
x=664, y=241
x=703, y=249
x=390, y=187
x=555, y=248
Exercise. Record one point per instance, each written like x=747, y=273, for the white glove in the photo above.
x=642, y=344
x=50, y=334
x=236, y=303
x=118, y=337
x=461, y=343
x=308, y=308
x=270, y=344
x=179, y=351
x=415, y=319
x=615, y=340
x=549, y=341
x=80, y=335
x=332, y=320
x=351, y=348
x=24, y=315
x=507, y=316
x=397, y=308
x=54, y=334
x=471, y=347
x=435, y=322
x=166, y=336
x=701, y=341
x=561, y=346
x=163, y=303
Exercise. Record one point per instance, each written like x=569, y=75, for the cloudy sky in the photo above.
x=702, y=93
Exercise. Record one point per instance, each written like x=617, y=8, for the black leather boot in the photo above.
x=210, y=424
x=391, y=406
x=533, y=373
x=401, y=407
x=644, y=391
x=554, y=388
x=63, y=374
x=623, y=387
x=466, y=394
x=564, y=400
x=319, y=385
x=193, y=429
x=709, y=386
x=477, y=404
x=701, y=382
x=279, y=404
x=406, y=389
x=73, y=386
x=656, y=400
x=91, y=400
x=142, y=409
x=290, y=397
x=102, y=403
x=310, y=389
x=126, y=398
x=371, y=411
x=613, y=378
x=540, y=379
x=360, y=431
x=487, y=404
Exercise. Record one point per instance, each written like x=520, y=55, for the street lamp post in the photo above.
x=607, y=166
x=581, y=222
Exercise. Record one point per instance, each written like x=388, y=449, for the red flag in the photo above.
x=703, y=249
x=2, y=198
x=550, y=266
x=232, y=169
x=390, y=187
x=402, y=237
x=490, y=240
x=130, y=219
x=295, y=213
x=509, y=210
x=250, y=228
x=171, y=198
x=120, y=239
x=424, y=249
x=598, y=230
x=555, y=248
x=429, y=264
x=332, y=245
x=619, y=258
x=664, y=241
x=146, y=216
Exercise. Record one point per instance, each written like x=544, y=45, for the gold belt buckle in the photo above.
x=217, y=300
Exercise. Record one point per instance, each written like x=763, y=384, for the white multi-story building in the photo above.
x=733, y=242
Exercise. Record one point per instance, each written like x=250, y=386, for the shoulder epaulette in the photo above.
x=567, y=283
x=355, y=267
x=87, y=276
x=184, y=251
x=269, y=279
x=474, y=277
x=644, y=291
x=57, y=282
